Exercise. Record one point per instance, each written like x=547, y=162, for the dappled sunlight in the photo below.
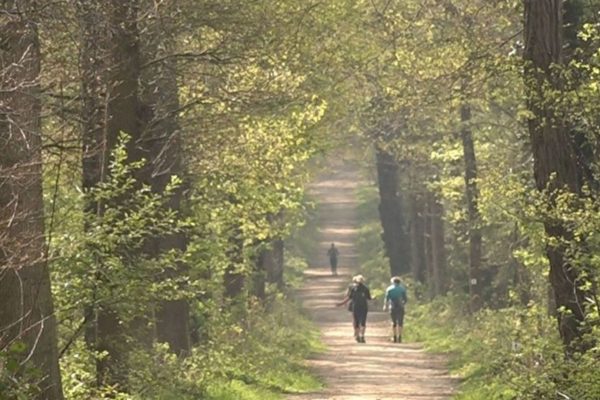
x=353, y=370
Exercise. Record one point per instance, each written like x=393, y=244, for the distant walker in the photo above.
x=333, y=253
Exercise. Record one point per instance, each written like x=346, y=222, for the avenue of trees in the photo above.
x=154, y=153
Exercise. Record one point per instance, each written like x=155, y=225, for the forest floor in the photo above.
x=378, y=369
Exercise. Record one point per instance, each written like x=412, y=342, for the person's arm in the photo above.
x=346, y=299
x=343, y=302
x=404, y=296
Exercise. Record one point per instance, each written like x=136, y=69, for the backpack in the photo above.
x=359, y=295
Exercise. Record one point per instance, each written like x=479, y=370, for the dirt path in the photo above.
x=378, y=369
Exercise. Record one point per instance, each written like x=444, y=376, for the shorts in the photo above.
x=397, y=315
x=360, y=318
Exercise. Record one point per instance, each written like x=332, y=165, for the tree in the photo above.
x=394, y=235
x=110, y=74
x=26, y=306
x=472, y=195
x=438, y=245
x=161, y=145
x=555, y=161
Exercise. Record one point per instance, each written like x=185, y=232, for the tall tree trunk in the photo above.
x=233, y=281
x=162, y=146
x=234, y=278
x=417, y=239
x=429, y=265
x=438, y=245
x=269, y=267
x=555, y=160
x=472, y=196
x=275, y=274
x=123, y=116
x=390, y=213
x=110, y=71
x=522, y=277
x=26, y=307
x=585, y=149
x=264, y=260
x=93, y=67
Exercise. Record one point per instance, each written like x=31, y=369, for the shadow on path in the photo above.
x=377, y=369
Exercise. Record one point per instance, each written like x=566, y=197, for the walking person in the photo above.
x=333, y=253
x=395, y=295
x=358, y=296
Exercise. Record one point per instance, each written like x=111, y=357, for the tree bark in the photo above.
x=555, y=159
x=26, y=306
x=390, y=213
x=93, y=67
x=275, y=274
x=269, y=267
x=162, y=146
x=110, y=64
x=429, y=263
x=438, y=246
x=234, y=278
x=472, y=197
x=264, y=261
x=417, y=239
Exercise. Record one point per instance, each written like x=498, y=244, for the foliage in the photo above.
x=12, y=383
x=263, y=91
x=513, y=353
x=261, y=355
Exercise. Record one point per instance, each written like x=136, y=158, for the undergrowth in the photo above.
x=256, y=356
x=506, y=354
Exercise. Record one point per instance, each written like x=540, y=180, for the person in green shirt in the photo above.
x=395, y=298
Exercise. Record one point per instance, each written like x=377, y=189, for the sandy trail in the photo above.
x=378, y=369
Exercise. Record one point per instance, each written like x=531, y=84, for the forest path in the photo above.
x=378, y=369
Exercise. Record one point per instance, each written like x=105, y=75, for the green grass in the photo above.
x=238, y=390
x=273, y=385
x=504, y=354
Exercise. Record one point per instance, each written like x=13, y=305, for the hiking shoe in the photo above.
x=395, y=339
x=362, y=339
x=399, y=339
x=357, y=339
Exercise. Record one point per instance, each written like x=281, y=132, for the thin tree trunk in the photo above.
x=269, y=267
x=429, y=261
x=390, y=213
x=92, y=61
x=26, y=307
x=123, y=116
x=438, y=246
x=417, y=239
x=555, y=160
x=162, y=146
x=234, y=278
x=472, y=196
x=110, y=72
x=275, y=275
x=264, y=262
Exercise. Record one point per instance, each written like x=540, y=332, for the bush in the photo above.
x=258, y=356
x=512, y=353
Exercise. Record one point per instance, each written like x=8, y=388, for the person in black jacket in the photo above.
x=358, y=295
